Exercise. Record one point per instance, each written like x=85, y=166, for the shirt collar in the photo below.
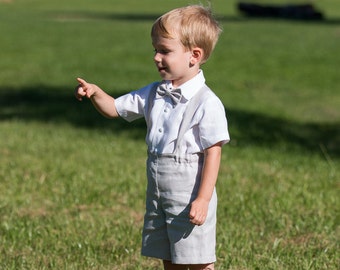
x=191, y=87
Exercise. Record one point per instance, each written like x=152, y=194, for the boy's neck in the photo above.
x=176, y=84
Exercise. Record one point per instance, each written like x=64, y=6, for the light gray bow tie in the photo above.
x=174, y=94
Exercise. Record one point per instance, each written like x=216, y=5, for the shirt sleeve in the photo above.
x=133, y=105
x=213, y=125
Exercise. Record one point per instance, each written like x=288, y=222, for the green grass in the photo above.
x=72, y=183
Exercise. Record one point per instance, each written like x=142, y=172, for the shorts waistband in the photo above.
x=176, y=157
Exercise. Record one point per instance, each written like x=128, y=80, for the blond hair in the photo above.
x=194, y=25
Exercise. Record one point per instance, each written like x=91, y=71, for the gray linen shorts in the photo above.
x=168, y=234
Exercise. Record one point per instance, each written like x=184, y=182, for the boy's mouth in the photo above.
x=160, y=69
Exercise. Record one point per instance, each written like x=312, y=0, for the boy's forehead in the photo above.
x=165, y=41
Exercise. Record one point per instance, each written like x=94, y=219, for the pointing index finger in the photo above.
x=81, y=81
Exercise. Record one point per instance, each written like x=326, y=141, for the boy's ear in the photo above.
x=196, y=56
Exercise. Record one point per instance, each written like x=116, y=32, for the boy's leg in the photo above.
x=170, y=266
x=209, y=266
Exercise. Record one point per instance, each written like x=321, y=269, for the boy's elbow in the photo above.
x=108, y=109
x=111, y=115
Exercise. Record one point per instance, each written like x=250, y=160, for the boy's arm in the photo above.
x=199, y=207
x=103, y=102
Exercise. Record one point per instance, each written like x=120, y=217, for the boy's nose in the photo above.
x=157, y=58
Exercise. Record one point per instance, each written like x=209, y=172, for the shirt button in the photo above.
x=166, y=110
x=160, y=130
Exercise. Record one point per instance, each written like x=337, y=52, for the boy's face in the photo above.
x=174, y=62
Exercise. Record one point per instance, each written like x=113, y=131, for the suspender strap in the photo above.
x=192, y=107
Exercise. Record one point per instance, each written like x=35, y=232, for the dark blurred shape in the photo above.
x=289, y=11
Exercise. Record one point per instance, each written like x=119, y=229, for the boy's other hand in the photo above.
x=198, y=212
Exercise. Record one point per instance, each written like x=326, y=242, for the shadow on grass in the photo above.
x=263, y=130
x=57, y=105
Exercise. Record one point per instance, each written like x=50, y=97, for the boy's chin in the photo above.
x=165, y=77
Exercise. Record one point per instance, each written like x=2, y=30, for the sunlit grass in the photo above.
x=72, y=184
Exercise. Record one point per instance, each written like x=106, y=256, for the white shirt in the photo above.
x=207, y=127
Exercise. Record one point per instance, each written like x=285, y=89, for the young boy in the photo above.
x=186, y=128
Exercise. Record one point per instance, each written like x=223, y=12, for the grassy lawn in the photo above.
x=72, y=183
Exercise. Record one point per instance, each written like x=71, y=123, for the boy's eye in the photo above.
x=161, y=51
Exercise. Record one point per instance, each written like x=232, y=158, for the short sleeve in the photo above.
x=213, y=125
x=132, y=106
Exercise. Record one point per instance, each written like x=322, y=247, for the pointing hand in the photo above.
x=84, y=89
